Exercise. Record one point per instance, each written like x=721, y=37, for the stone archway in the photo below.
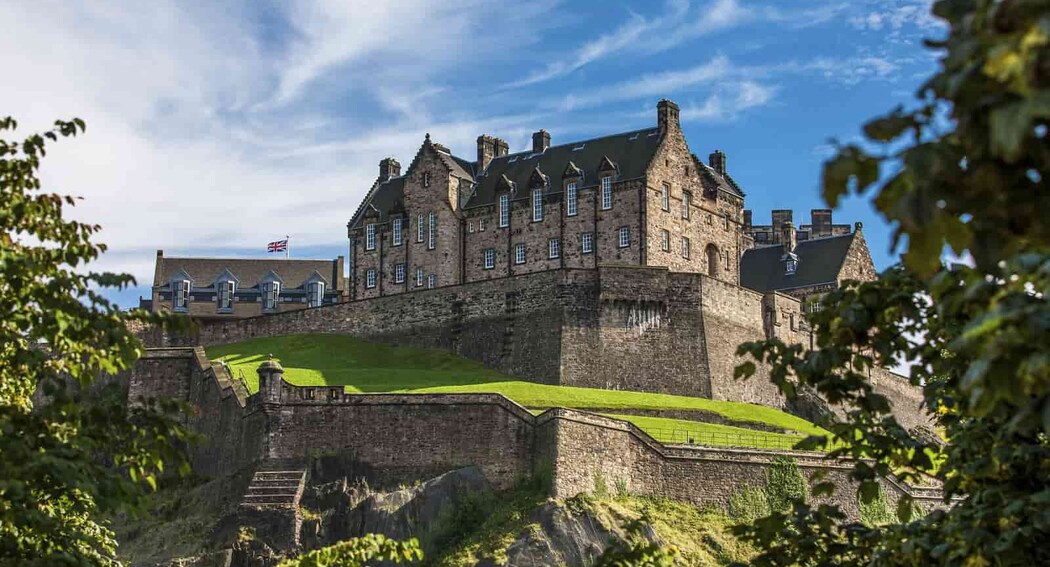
x=713, y=261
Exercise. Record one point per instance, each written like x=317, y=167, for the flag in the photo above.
x=278, y=246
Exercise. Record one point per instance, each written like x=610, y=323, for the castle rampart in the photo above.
x=393, y=438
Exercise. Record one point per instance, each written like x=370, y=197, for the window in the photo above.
x=397, y=231
x=180, y=295
x=607, y=192
x=370, y=236
x=272, y=295
x=570, y=199
x=727, y=221
x=687, y=199
x=504, y=211
x=370, y=279
x=519, y=253
x=399, y=272
x=431, y=231
x=685, y=247
x=225, y=297
x=665, y=241
x=426, y=179
x=481, y=225
x=316, y=294
x=489, y=256
x=791, y=265
x=419, y=277
x=554, y=248
x=432, y=281
x=537, y=205
x=419, y=228
x=665, y=197
x=625, y=237
x=587, y=243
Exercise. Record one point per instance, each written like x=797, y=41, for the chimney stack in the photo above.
x=717, y=161
x=502, y=148
x=540, y=141
x=788, y=237
x=820, y=219
x=389, y=167
x=667, y=115
x=747, y=219
x=486, y=151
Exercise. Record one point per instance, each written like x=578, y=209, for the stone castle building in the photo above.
x=638, y=198
x=233, y=288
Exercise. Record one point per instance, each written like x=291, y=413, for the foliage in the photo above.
x=748, y=505
x=638, y=551
x=784, y=484
x=621, y=491
x=601, y=488
x=966, y=170
x=83, y=454
x=357, y=552
x=877, y=512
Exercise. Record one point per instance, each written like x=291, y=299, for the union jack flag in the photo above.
x=277, y=246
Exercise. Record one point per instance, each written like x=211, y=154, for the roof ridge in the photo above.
x=577, y=142
x=267, y=259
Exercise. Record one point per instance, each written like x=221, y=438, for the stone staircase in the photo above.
x=275, y=485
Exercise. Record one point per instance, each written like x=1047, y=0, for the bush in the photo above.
x=749, y=504
x=878, y=511
x=784, y=484
x=601, y=489
x=622, y=491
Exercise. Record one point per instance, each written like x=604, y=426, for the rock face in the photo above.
x=563, y=538
x=427, y=511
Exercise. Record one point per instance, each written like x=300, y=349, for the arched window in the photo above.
x=712, y=260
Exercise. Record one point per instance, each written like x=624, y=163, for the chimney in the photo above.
x=788, y=236
x=820, y=219
x=667, y=115
x=486, y=151
x=502, y=148
x=747, y=219
x=717, y=161
x=389, y=167
x=780, y=216
x=540, y=141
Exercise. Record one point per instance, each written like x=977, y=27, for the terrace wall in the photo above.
x=394, y=438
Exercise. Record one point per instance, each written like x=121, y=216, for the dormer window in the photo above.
x=504, y=211
x=607, y=192
x=271, y=295
x=225, y=295
x=315, y=294
x=537, y=205
x=370, y=236
x=180, y=295
x=790, y=264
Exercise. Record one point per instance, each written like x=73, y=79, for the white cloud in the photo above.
x=728, y=101
x=196, y=138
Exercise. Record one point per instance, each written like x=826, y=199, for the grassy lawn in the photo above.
x=361, y=366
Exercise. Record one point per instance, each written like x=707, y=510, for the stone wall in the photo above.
x=399, y=438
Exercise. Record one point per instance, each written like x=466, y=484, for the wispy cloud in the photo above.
x=728, y=101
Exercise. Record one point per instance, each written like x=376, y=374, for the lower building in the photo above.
x=234, y=288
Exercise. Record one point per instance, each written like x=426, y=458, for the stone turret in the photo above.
x=271, y=374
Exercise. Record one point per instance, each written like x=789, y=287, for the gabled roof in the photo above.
x=249, y=271
x=819, y=262
x=631, y=153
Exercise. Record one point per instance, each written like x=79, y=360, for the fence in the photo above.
x=745, y=440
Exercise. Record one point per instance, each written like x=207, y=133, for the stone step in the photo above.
x=275, y=482
x=285, y=476
x=285, y=489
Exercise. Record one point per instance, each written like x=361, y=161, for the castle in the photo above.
x=638, y=198
x=621, y=262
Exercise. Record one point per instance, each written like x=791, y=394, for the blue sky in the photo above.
x=214, y=128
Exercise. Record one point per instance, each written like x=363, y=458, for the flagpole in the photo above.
x=287, y=248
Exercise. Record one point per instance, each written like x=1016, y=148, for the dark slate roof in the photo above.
x=819, y=261
x=383, y=198
x=248, y=271
x=630, y=151
x=710, y=179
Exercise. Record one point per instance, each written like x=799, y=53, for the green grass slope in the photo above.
x=361, y=366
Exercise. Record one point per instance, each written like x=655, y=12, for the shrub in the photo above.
x=622, y=491
x=784, y=484
x=877, y=512
x=601, y=489
x=749, y=504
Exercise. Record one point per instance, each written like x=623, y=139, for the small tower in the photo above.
x=271, y=375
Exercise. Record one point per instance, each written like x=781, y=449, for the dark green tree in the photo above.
x=966, y=170
x=71, y=450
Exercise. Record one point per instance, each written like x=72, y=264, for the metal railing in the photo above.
x=744, y=440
